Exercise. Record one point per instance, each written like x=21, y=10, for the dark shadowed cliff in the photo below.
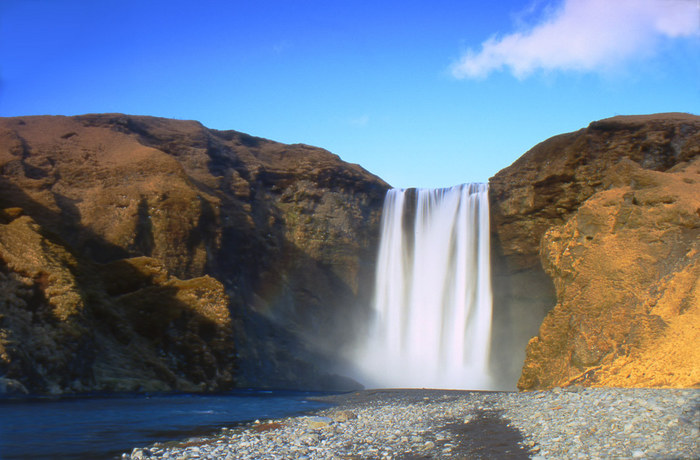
x=596, y=238
x=141, y=253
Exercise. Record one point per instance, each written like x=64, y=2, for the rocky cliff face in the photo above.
x=599, y=230
x=147, y=253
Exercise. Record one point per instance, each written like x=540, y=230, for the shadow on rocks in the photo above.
x=488, y=436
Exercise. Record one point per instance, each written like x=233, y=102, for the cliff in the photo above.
x=142, y=253
x=147, y=254
x=596, y=236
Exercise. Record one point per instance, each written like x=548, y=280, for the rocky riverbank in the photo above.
x=434, y=424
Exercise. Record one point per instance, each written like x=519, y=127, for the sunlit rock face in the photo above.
x=283, y=236
x=599, y=230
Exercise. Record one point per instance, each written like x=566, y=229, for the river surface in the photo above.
x=103, y=427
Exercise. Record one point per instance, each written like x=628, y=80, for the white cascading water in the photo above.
x=432, y=305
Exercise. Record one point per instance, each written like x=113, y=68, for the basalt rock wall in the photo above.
x=597, y=263
x=143, y=253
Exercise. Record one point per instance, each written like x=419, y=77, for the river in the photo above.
x=101, y=427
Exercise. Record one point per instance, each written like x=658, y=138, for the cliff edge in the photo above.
x=597, y=232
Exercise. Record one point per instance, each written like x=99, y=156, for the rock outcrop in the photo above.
x=611, y=215
x=142, y=253
x=72, y=325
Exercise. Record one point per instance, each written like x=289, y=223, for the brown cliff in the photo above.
x=145, y=254
x=200, y=258
x=611, y=215
x=68, y=324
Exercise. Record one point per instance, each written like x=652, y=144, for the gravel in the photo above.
x=566, y=423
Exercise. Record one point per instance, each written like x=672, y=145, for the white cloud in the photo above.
x=584, y=35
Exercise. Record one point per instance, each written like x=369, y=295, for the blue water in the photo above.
x=103, y=427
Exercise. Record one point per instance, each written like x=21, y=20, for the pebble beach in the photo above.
x=436, y=424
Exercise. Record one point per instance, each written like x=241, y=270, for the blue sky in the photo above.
x=421, y=93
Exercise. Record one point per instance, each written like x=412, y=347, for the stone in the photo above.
x=603, y=411
x=343, y=416
x=318, y=422
x=12, y=387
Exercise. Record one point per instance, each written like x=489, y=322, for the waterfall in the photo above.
x=432, y=304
